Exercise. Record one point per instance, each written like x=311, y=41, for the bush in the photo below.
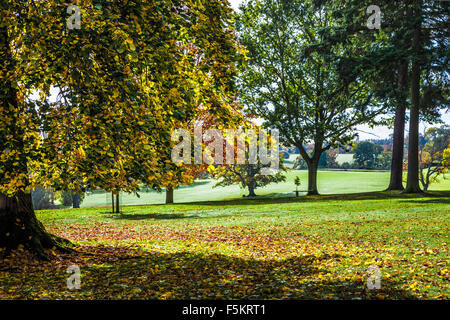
x=43, y=199
x=346, y=166
x=66, y=198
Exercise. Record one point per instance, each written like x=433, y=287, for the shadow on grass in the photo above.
x=155, y=216
x=189, y=275
x=431, y=201
x=278, y=198
x=128, y=273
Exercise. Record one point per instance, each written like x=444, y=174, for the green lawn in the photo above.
x=282, y=248
x=330, y=182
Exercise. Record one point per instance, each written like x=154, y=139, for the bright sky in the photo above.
x=235, y=3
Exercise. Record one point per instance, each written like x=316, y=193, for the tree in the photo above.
x=108, y=127
x=432, y=155
x=429, y=62
x=366, y=154
x=446, y=158
x=412, y=185
x=385, y=54
x=43, y=199
x=248, y=176
x=202, y=86
x=380, y=58
x=296, y=88
x=184, y=174
x=324, y=160
x=248, y=162
x=70, y=198
x=299, y=164
x=384, y=160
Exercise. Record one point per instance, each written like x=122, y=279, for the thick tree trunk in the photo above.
x=19, y=226
x=76, y=200
x=313, y=164
x=312, y=176
x=117, y=203
x=169, y=195
x=396, y=182
x=412, y=185
x=251, y=190
x=18, y=223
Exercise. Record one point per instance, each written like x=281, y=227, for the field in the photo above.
x=280, y=248
x=330, y=182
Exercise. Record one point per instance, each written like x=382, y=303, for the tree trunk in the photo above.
x=313, y=164
x=19, y=226
x=169, y=195
x=412, y=185
x=396, y=182
x=76, y=200
x=251, y=189
x=18, y=223
x=117, y=203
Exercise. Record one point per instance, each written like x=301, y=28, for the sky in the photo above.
x=379, y=132
x=235, y=3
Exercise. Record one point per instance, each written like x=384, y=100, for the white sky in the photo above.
x=235, y=3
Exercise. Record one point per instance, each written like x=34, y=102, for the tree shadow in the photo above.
x=155, y=216
x=430, y=201
x=145, y=189
x=279, y=199
x=110, y=272
x=194, y=275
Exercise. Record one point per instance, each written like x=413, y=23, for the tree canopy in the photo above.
x=125, y=79
x=296, y=88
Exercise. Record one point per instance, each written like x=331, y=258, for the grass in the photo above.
x=329, y=182
x=271, y=248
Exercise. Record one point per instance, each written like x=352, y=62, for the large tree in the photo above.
x=405, y=59
x=110, y=125
x=297, y=88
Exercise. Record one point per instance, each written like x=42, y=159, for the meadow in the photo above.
x=329, y=182
x=268, y=248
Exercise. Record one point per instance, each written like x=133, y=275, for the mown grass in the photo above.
x=279, y=248
x=329, y=182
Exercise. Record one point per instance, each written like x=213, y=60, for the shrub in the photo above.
x=43, y=199
x=66, y=198
x=346, y=166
